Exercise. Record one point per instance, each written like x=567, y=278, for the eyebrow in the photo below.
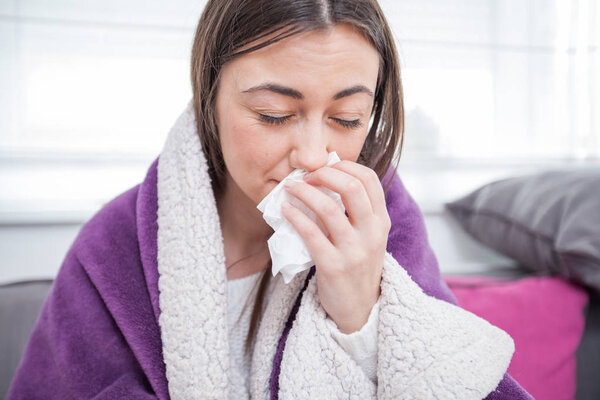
x=293, y=93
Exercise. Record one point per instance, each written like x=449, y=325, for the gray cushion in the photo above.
x=20, y=305
x=548, y=222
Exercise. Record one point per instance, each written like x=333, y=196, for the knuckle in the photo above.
x=370, y=171
x=311, y=230
x=379, y=237
x=365, y=171
x=330, y=207
x=354, y=187
x=372, y=175
x=387, y=224
x=384, y=238
x=383, y=235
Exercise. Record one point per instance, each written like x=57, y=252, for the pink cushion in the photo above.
x=545, y=318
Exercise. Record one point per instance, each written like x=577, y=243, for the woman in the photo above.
x=148, y=303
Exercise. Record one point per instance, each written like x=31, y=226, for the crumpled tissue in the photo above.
x=289, y=254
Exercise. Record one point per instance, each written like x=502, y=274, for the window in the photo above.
x=88, y=92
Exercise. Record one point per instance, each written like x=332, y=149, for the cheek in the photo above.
x=250, y=157
x=348, y=147
x=245, y=146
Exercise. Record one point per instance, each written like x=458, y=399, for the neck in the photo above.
x=244, y=230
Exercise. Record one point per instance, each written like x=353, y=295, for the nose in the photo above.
x=310, y=150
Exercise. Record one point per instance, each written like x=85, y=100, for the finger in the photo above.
x=317, y=243
x=370, y=181
x=328, y=211
x=353, y=192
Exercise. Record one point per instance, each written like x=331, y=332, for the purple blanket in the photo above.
x=98, y=334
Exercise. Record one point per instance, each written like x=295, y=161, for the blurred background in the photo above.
x=89, y=90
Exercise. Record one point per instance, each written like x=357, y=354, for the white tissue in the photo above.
x=289, y=254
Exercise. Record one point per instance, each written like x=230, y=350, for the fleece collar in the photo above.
x=191, y=267
x=427, y=348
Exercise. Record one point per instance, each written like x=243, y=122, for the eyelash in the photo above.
x=281, y=120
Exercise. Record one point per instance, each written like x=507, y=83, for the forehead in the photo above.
x=319, y=59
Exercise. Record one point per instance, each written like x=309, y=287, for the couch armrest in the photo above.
x=20, y=306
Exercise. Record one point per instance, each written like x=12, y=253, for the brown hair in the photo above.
x=230, y=28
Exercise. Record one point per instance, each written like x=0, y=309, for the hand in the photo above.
x=349, y=261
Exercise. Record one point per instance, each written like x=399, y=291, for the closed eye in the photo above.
x=274, y=120
x=352, y=124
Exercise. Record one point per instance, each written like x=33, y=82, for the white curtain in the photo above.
x=577, y=82
x=500, y=80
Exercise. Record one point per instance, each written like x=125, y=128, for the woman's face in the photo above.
x=289, y=104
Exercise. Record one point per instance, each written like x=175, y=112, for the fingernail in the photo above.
x=285, y=205
x=308, y=175
x=289, y=184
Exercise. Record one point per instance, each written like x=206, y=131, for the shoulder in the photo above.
x=115, y=228
x=112, y=229
x=117, y=247
x=408, y=225
x=106, y=253
x=399, y=202
x=408, y=242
